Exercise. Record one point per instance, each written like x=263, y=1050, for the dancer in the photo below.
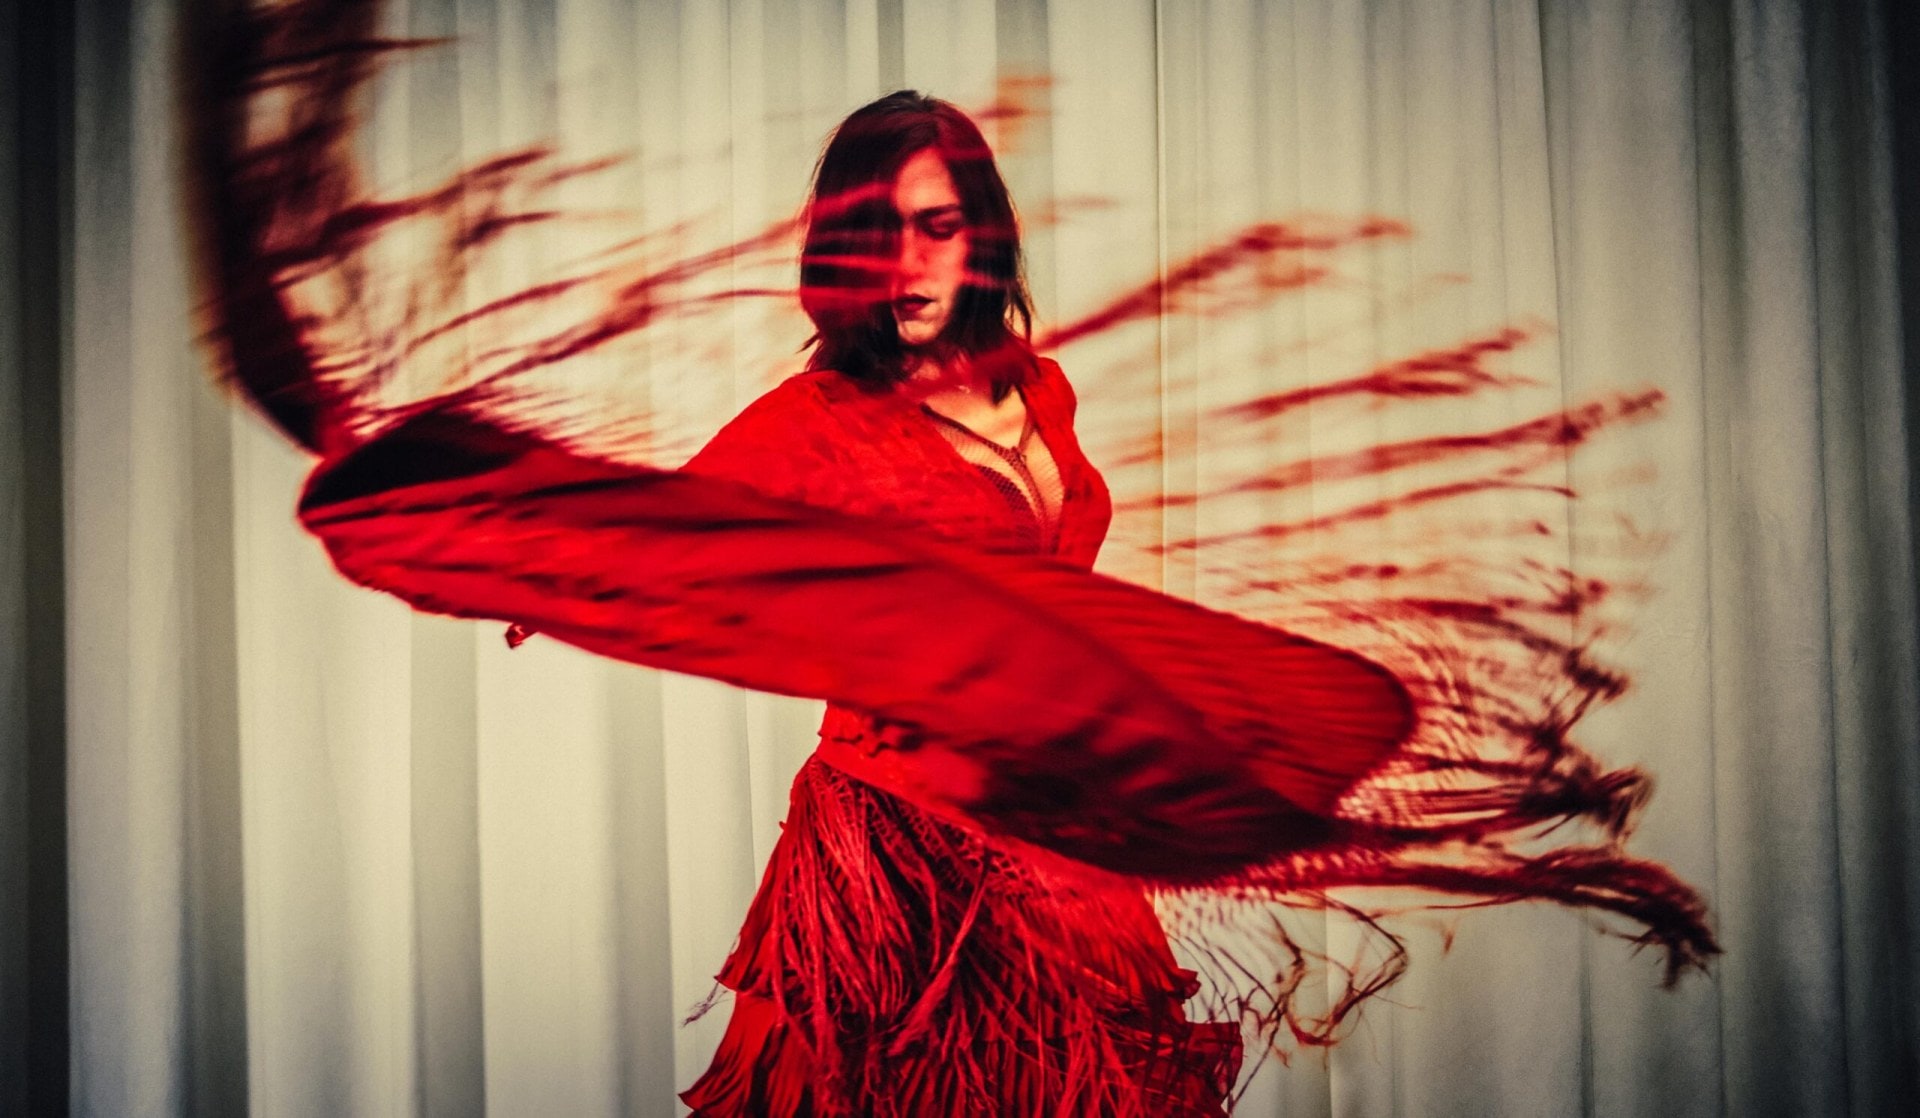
x=1018, y=751
x=894, y=963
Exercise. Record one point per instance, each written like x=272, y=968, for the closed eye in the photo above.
x=942, y=224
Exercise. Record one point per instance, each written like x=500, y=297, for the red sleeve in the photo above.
x=782, y=445
x=1050, y=369
x=1089, y=506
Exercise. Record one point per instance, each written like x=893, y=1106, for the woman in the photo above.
x=894, y=963
x=903, y=530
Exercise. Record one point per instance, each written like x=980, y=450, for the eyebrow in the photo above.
x=934, y=211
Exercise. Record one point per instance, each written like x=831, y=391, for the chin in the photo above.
x=919, y=335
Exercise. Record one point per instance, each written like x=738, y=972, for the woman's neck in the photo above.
x=949, y=374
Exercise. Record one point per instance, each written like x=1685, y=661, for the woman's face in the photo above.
x=934, y=244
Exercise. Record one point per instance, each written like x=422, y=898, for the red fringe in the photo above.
x=893, y=964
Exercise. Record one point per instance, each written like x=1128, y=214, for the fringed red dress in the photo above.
x=898, y=964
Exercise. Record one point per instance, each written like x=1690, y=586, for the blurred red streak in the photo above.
x=1452, y=372
x=1257, y=242
x=1447, y=372
x=1558, y=431
x=1375, y=510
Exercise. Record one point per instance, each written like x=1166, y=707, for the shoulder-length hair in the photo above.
x=853, y=235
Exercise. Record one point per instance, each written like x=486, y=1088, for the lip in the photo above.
x=911, y=304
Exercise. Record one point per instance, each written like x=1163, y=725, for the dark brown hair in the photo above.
x=853, y=235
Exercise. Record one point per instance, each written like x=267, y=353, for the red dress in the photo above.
x=894, y=963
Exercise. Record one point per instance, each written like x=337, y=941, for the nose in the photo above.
x=915, y=249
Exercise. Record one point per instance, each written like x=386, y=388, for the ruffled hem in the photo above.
x=761, y=1069
x=894, y=965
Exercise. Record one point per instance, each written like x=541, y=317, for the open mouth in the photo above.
x=909, y=306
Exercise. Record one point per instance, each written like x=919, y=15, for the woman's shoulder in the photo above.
x=798, y=395
x=812, y=394
x=799, y=402
x=1048, y=387
x=796, y=429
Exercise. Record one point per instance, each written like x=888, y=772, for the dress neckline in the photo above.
x=926, y=421
x=1036, y=428
x=1019, y=449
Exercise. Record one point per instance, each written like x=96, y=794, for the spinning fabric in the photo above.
x=1018, y=751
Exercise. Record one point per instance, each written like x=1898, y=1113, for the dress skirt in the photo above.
x=893, y=964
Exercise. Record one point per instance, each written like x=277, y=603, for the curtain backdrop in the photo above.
x=324, y=856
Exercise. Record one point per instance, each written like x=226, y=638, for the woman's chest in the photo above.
x=900, y=466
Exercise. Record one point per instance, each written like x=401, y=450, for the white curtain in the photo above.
x=326, y=856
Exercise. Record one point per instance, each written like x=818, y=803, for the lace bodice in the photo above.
x=1024, y=474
